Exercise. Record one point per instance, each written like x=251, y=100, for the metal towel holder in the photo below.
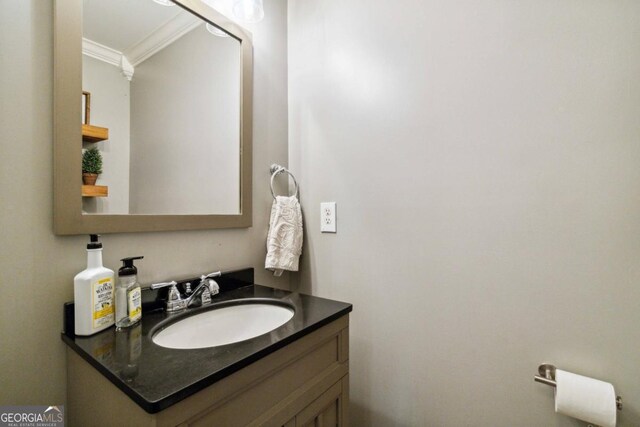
x=547, y=376
x=275, y=170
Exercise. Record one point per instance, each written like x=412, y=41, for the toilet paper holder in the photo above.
x=547, y=376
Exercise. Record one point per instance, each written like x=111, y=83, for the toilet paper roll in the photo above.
x=585, y=398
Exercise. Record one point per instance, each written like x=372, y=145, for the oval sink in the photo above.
x=224, y=325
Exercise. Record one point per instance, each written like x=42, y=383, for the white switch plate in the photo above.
x=328, y=217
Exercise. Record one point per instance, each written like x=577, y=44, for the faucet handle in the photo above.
x=174, y=293
x=174, y=300
x=210, y=275
x=163, y=284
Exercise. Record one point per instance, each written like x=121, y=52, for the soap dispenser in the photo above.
x=128, y=294
x=93, y=293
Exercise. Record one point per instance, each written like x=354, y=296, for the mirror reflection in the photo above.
x=162, y=106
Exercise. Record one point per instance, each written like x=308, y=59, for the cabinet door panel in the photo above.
x=328, y=417
x=322, y=412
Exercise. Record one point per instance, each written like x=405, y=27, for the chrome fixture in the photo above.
x=547, y=376
x=275, y=170
x=201, y=295
x=174, y=300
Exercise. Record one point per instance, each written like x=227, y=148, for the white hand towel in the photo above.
x=284, y=241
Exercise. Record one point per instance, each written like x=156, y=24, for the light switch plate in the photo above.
x=328, y=217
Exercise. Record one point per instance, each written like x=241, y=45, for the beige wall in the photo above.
x=36, y=267
x=485, y=159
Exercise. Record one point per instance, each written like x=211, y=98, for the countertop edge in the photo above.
x=153, y=407
x=141, y=401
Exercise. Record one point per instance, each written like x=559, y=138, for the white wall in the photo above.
x=36, y=267
x=110, y=108
x=185, y=128
x=485, y=159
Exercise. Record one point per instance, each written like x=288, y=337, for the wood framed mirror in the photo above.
x=201, y=174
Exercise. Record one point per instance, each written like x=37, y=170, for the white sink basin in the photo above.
x=225, y=325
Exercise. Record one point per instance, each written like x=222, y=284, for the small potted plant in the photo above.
x=91, y=166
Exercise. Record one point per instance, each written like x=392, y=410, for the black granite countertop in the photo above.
x=156, y=377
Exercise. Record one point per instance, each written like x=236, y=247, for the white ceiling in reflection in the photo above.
x=120, y=24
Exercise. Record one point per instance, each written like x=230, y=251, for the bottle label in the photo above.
x=135, y=304
x=102, y=302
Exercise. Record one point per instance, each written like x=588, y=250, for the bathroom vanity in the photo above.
x=295, y=375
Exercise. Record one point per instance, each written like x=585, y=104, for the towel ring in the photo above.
x=277, y=169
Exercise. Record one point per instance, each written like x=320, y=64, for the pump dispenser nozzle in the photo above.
x=94, y=242
x=128, y=268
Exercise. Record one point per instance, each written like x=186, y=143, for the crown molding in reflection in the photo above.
x=160, y=38
x=110, y=56
x=101, y=52
x=127, y=68
x=163, y=36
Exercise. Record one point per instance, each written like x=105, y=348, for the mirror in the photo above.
x=166, y=102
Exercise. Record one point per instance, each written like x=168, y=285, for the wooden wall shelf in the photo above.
x=94, y=133
x=95, y=191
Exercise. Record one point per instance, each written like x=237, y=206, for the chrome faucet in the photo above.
x=201, y=294
x=204, y=291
